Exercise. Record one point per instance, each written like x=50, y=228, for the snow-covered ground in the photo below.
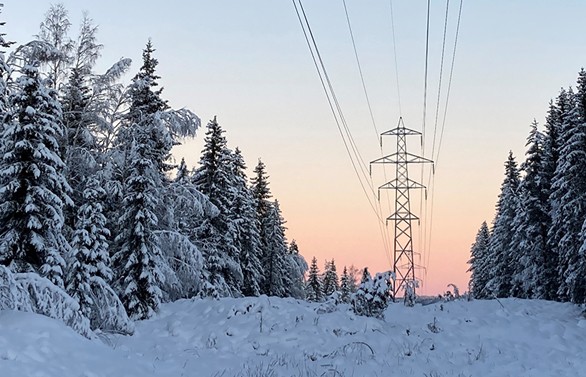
x=284, y=337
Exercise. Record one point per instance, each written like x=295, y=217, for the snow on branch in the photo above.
x=108, y=313
x=32, y=293
x=182, y=123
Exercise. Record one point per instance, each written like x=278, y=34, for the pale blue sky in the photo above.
x=247, y=62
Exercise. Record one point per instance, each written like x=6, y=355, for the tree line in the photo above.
x=91, y=200
x=536, y=246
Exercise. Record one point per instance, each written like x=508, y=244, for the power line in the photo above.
x=439, y=87
x=334, y=105
x=352, y=143
x=360, y=69
x=437, y=108
x=367, y=97
x=444, y=116
x=423, y=135
x=425, y=76
x=450, y=79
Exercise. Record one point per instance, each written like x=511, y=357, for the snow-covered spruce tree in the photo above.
x=313, y=287
x=261, y=194
x=480, y=263
x=345, y=289
x=330, y=278
x=145, y=143
x=568, y=198
x=33, y=188
x=297, y=266
x=137, y=261
x=373, y=295
x=246, y=227
x=145, y=102
x=531, y=223
x=501, y=269
x=216, y=238
x=277, y=281
x=89, y=247
x=572, y=262
x=551, y=153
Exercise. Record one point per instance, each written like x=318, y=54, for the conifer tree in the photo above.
x=531, y=222
x=33, y=188
x=146, y=146
x=551, y=158
x=246, y=227
x=89, y=247
x=276, y=281
x=139, y=256
x=345, y=286
x=501, y=273
x=365, y=275
x=568, y=198
x=330, y=280
x=480, y=263
x=182, y=172
x=214, y=178
x=313, y=290
x=261, y=194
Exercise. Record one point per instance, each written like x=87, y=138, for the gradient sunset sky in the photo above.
x=247, y=62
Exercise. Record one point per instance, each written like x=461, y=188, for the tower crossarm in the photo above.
x=402, y=184
x=402, y=158
x=401, y=131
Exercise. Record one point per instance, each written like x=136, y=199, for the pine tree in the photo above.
x=365, y=276
x=480, y=263
x=246, y=227
x=313, y=290
x=139, y=257
x=276, y=280
x=531, y=223
x=260, y=190
x=182, y=172
x=551, y=153
x=568, y=199
x=90, y=250
x=214, y=179
x=345, y=286
x=330, y=280
x=34, y=189
x=145, y=101
x=145, y=145
x=501, y=273
x=261, y=194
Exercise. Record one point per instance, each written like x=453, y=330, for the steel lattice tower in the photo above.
x=403, y=262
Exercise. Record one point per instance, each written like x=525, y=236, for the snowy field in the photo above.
x=283, y=337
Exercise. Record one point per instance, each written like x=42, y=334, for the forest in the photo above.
x=536, y=246
x=98, y=224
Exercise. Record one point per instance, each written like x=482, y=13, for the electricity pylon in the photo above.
x=403, y=262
